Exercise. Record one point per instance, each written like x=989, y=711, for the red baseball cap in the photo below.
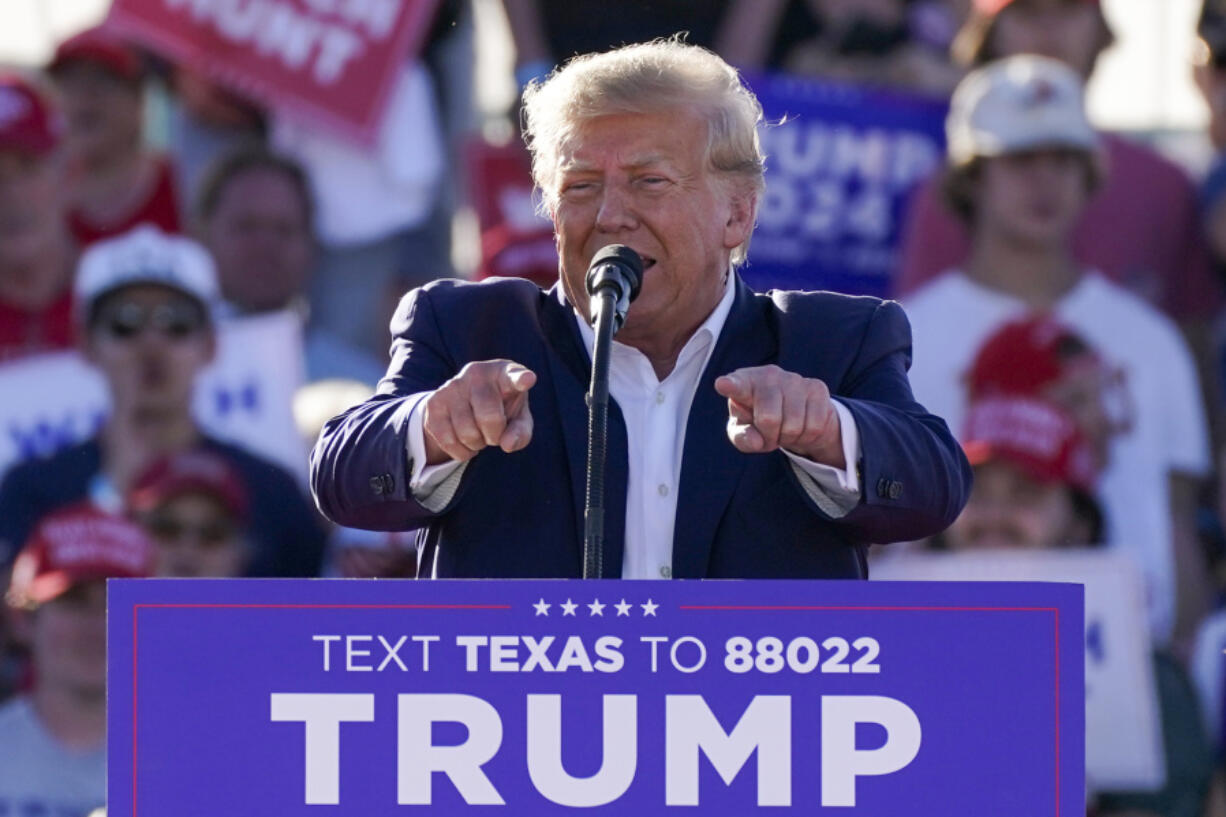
x=75, y=544
x=28, y=123
x=191, y=472
x=1035, y=435
x=99, y=48
x=1023, y=357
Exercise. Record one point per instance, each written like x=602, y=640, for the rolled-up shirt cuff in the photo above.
x=835, y=490
x=431, y=485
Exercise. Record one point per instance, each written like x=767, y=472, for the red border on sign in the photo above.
x=175, y=46
x=1055, y=611
x=136, y=608
x=806, y=607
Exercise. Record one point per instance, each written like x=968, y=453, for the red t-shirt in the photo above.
x=160, y=208
x=25, y=333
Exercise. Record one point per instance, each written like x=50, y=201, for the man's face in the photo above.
x=67, y=638
x=30, y=214
x=643, y=180
x=1010, y=509
x=150, y=343
x=102, y=111
x=1066, y=30
x=1033, y=199
x=260, y=239
x=196, y=537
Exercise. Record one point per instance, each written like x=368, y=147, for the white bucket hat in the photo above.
x=1018, y=104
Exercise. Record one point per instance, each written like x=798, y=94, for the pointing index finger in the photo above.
x=515, y=379
x=735, y=386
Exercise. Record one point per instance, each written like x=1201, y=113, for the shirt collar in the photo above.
x=708, y=330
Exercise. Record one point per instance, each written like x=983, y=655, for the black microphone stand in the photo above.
x=613, y=281
x=597, y=437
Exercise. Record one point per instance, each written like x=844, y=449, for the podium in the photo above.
x=866, y=699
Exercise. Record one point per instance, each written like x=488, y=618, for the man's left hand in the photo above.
x=770, y=408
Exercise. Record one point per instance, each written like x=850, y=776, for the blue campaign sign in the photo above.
x=841, y=167
x=610, y=697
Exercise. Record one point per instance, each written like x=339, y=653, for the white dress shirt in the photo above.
x=656, y=413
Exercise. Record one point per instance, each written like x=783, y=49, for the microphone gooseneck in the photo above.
x=613, y=281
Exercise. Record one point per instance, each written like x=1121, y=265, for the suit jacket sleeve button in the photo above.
x=895, y=490
x=883, y=487
x=376, y=485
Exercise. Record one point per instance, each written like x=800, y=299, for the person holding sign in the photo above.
x=751, y=435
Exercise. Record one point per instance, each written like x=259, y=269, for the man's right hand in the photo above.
x=485, y=404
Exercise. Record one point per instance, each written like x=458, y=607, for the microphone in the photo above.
x=617, y=270
x=613, y=280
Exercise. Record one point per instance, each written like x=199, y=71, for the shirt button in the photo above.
x=666, y=572
x=663, y=489
x=659, y=397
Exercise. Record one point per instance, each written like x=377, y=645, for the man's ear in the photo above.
x=742, y=213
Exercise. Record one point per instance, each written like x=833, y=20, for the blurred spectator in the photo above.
x=1141, y=229
x=893, y=42
x=1023, y=161
x=1039, y=356
x=206, y=120
x=897, y=43
x=381, y=217
x=1209, y=70
x=547, y=33
x=353, y=553
x=872, y=43
x=193, y=505
x=53, y=738
x=145, y=304
x=255, y=215
x=1035, y=486
x=113, y=182
x=1035, y=478
x=36, y=253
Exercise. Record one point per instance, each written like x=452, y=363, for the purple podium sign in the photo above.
x=266, y=697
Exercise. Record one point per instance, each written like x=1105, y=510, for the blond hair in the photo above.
x=653, y=77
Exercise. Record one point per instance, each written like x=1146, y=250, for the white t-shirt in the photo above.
x=38, y=775
x=953, y=316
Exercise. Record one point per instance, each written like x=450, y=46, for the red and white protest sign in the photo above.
x=330, y=60
x=516, y=240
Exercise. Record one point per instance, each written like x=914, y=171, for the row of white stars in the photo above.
x=596, y=607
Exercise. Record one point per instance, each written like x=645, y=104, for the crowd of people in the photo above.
x=1064, y=288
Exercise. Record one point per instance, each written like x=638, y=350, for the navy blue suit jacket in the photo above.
x=738, y=515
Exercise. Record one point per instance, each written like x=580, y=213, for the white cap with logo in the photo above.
x=1018, y=104
x=146, y=255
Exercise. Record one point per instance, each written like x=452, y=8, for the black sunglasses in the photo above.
x=176, y=320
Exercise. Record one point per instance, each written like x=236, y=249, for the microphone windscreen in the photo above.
x=626, y=259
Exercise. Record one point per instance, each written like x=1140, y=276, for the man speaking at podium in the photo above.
x=749, y=435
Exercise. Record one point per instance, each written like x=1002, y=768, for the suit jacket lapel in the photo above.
x=711, y=467
x=570, y=373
